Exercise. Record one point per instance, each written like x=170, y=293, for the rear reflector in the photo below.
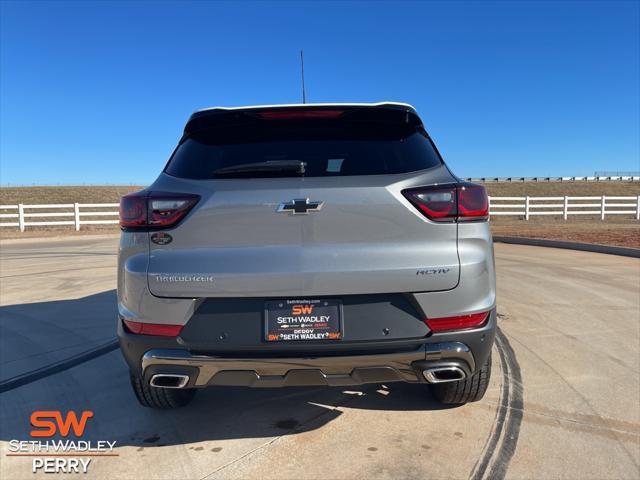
x=461, y=322
x=447, y=203
x=154, y=209
x=158, y=329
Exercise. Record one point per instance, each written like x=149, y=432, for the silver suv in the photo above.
x=300, y=245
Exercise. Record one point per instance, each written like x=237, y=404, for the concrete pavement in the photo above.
x=57, y=299
x=564, y=400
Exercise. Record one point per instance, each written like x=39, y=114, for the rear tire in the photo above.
x=471, y=389
x=160, y=398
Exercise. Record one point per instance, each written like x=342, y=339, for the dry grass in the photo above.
x=623, y=233
x=553, y=189
x=80, y=194
x=613, y=231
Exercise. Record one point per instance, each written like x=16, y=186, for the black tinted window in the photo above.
x=325, y=151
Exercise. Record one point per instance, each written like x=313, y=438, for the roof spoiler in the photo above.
x=393, y=113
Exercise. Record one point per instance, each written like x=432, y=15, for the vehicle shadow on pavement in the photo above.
x=34, y=335
x=217, y=414
x=224, y=413
x=102, y=386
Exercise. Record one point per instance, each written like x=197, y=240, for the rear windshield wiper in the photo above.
x=268, y=168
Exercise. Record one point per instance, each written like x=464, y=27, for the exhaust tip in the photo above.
x=169, y=380
x=444, y=374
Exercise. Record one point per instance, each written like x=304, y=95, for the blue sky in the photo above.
x=99, y=92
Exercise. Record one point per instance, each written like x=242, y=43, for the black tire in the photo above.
x=471, y=389
x=161, y=398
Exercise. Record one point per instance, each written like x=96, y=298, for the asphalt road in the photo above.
x=564, y=400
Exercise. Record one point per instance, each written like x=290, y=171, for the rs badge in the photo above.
x=161, y=238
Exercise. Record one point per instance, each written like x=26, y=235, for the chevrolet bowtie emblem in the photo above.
x=300, y=206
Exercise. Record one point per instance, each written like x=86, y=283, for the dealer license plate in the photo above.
x=300, y=320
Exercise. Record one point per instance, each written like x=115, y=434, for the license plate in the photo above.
x=300, y=320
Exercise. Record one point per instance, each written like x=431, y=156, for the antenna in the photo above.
x=304, y=96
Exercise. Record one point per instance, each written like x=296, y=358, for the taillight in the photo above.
x=154, y=209
x=158, y=329
x=133, y=210
x=435, y=203
x=447, y=203
x=460, y=322
x=473, y=201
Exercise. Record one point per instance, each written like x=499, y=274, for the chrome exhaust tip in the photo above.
x=444, y=374
x=169, y=380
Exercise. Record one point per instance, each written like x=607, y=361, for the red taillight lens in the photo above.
x=154, y=209
x=435, y=203
x=133, y=210
x=472, y=201
x=460, y=322
x=452, y=202
x=299, y=114
x=157, y=329
x=166, y=211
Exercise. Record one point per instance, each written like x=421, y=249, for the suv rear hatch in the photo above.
x=319, y=212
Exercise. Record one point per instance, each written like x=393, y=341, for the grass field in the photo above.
x=619, y=230
x=552, y=189
x=80, y=194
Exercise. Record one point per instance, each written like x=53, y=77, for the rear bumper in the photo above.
x=294, y=372
x=148, y=356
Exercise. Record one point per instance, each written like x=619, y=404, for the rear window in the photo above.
x=327, y=149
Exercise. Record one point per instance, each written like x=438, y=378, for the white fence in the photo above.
x=78, y=214
x=601, y=206
x=600, y=178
